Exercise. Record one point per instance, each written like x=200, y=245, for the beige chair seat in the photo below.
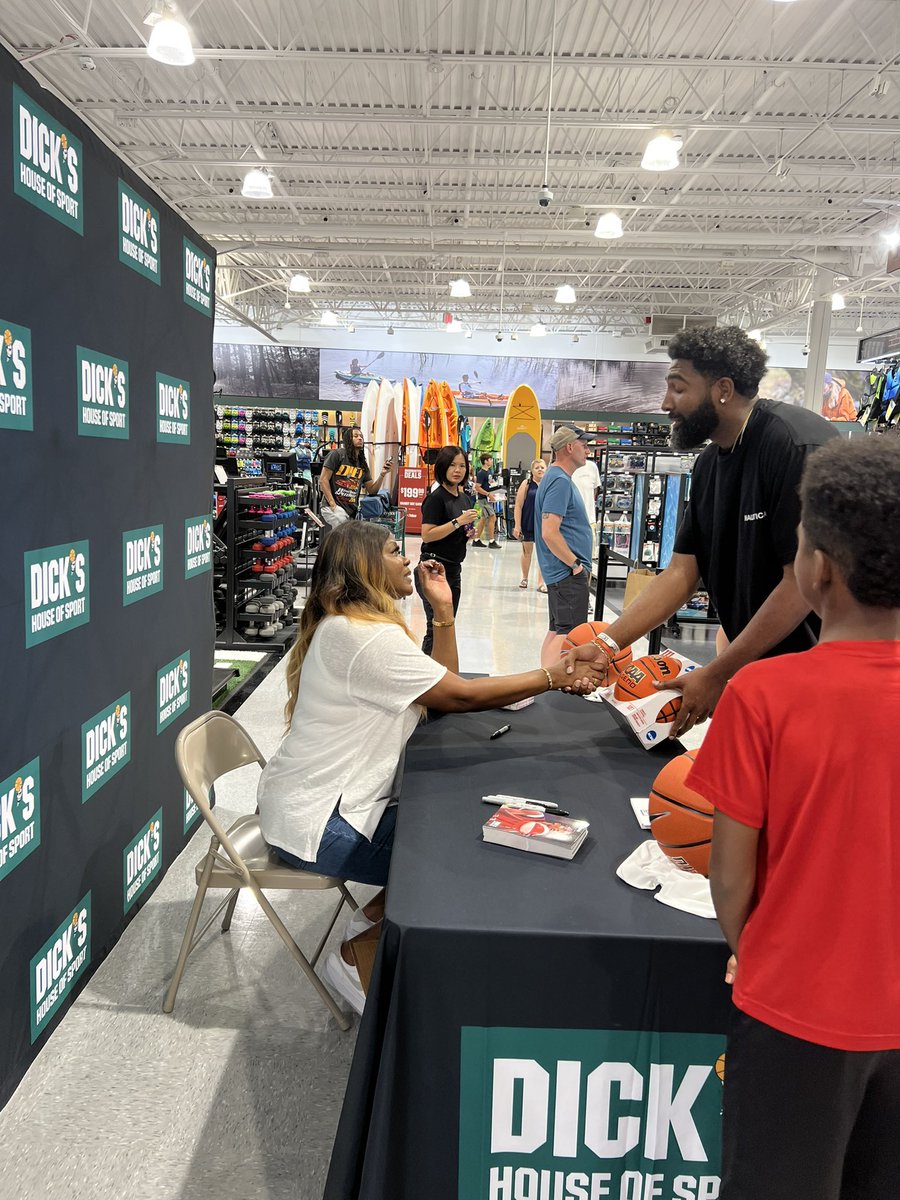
x=206, y=750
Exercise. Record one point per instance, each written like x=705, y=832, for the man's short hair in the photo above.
x=850, y=497
x=722, y=353
x=485, y=458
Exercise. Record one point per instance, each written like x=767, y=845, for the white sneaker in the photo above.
x=344, y=979
x=358, y=923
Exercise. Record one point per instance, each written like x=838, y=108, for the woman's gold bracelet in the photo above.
x=442, y=624
x=549, y=679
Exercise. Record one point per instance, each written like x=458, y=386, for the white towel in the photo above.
x=648, y=867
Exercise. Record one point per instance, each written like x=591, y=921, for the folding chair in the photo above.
x=208, y=748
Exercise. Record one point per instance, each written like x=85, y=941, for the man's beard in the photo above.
x=693, y=430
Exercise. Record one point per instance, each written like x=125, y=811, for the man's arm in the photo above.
x=325, y=485
x=373, y=485
x=555, y=542
x=732, y=874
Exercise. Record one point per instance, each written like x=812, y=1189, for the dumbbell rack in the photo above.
x=242, y=530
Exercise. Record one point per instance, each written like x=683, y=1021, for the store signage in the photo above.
x=191, y=811
x=173, y=690
x=142, y=563
x=880, y=345
x=138, y=234
x=15, y=377
x=197, y=271
x=142, y=859
x=105, y=745
x=59, y=963
x=20, y=816
x=47, y=163
x=411, y=491
x=103, y=405
x=568, y=1114
x=173, y=410
x=57, y=591
x=197, y=546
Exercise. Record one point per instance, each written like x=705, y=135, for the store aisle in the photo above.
x=237, y=1094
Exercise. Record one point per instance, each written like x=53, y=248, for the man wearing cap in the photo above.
x=563, y=539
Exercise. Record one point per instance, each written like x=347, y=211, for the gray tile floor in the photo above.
x=237, y=1094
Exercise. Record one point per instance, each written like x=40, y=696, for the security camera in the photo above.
x=805, y=351
x=86, y=63
x=545, y=196
x=499, y=335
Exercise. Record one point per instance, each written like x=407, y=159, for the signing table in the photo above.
x=535, y=1028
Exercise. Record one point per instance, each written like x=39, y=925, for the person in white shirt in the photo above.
x=587, y=483
x=358, y=685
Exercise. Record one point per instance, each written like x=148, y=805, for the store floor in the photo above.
x=237, y=1094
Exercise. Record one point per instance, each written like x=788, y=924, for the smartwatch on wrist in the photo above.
x=455, y=523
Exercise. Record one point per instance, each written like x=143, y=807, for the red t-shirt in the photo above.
x=804, y=748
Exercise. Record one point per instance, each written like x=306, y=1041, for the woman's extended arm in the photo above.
x=520, y=504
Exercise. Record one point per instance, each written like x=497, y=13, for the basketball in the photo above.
x=582, y=634
x=636, y=680
x=680, y=818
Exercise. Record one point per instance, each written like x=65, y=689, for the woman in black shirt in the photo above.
x=446, y=517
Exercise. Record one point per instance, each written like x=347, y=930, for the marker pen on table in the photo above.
x=500, y=732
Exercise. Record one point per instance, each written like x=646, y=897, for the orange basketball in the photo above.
x=680, y=818
x=637, y=679
x=582, y=634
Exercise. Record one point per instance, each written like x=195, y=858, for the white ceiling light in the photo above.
x=453, y=326
x=300, y=283
x=661, y=153
x=459, y=289
x=539, y=329
x=609, y=225
x=892, y=237
x=351, y=329
x=565, y=294
x=756, y=334
x=514, y=336
x=329, y=318
x=837, y=302
x=257, y=184
x=170, y=38
x=468, y=333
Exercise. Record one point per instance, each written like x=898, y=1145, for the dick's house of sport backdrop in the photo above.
x=106, y=430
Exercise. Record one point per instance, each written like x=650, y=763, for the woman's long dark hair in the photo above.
x=356, y=458
x=444, y=461
x=350, y=579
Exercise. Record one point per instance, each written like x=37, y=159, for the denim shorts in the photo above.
x=346, y=854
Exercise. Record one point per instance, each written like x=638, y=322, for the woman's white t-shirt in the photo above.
x=355, y=713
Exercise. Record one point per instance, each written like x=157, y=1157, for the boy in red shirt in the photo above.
x=801, y=765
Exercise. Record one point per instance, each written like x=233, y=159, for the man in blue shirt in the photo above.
x=563, y=539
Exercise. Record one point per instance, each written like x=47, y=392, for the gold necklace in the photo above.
x=737, y=440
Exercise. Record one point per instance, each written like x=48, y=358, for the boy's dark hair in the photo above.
x=444, y=461
x=356, y=458
x=483, y=458
x=722, y=353
x=850, y=496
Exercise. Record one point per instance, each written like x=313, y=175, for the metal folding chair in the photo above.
x=208, y=748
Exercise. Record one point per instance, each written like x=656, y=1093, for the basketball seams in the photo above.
x=680, y=804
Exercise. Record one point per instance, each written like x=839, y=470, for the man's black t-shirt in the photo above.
x=741, y=522
x=346, y=480
x=438, y=508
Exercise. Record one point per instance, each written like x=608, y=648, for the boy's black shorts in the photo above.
x=805, y=1122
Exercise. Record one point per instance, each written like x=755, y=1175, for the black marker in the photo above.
x=500, y=732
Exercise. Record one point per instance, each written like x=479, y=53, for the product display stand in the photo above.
x=259, y=571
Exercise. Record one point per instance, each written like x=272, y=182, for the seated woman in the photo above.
x=357, y=687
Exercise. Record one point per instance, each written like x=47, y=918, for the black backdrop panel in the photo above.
x=106, y=430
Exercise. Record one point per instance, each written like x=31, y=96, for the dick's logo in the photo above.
x=142, y=563
x=20, y=816
x=191, y=811
x=57, y=591
x=15, y=377
x=105, y=745
x=548, y=1113
x=47, y=162
x=58, y=964
x=197, y=278
x=173, y=410
x=142, y=859
x=173, y=690
x=138, y=233
x=103, y=406
x=197, y=546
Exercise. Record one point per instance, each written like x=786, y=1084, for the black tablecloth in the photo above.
x=486, y=936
